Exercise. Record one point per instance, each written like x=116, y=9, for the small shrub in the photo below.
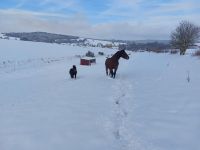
x=157, y=51
x=174, y=51
x=101, y=53
x=197, y=53
x=89, y=54
x=78, y=56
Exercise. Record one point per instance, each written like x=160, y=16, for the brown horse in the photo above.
x=113, y=62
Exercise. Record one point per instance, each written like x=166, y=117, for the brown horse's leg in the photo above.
x=106, y=70
x=115, y=70
x=111, y=73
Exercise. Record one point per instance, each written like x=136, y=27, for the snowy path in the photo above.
x=121, y=109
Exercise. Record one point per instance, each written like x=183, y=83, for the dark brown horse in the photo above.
x=113, y=62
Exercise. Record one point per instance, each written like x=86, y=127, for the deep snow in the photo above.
x=153, y=104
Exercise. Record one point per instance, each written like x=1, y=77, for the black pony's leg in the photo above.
x=71, y=75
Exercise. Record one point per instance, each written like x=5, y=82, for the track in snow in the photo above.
x=120, y=120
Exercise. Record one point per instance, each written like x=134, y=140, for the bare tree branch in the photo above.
x=184, y=36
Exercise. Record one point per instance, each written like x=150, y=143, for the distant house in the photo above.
x=87, y=61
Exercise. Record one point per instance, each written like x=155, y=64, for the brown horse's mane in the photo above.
x=117, y=55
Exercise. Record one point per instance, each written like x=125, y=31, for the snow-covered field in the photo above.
x=153, y=104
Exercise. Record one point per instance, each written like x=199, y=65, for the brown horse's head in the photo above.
x=124, y=54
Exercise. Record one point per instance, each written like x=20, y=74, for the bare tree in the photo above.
x=184, y=36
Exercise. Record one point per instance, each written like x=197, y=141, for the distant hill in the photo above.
x=43, y=37
x=61, y=39
x=149, y=45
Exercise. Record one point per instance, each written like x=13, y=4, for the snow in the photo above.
x=2, y=35
x=198, y=44
x=95, y=42
x=153, y=104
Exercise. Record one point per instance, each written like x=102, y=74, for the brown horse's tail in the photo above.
x=106, y=68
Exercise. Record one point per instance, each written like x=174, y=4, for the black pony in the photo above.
x=73, y=72
x=113, y=62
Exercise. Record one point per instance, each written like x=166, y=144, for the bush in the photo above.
x=174, y=51
x=157, y=50
x=101, y=53
x=89, y=54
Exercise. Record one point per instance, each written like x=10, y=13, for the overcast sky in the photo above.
x=107, y=19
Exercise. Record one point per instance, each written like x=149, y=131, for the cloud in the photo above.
x=137, y=9
x=123, y=8
x=26, y=21
x=122, y=19
x=176, y=8
x=60, y=5
x=130, y=31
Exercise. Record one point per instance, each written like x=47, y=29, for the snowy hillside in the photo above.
x=101, y=43
x=153, y=104
x=60, y=39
